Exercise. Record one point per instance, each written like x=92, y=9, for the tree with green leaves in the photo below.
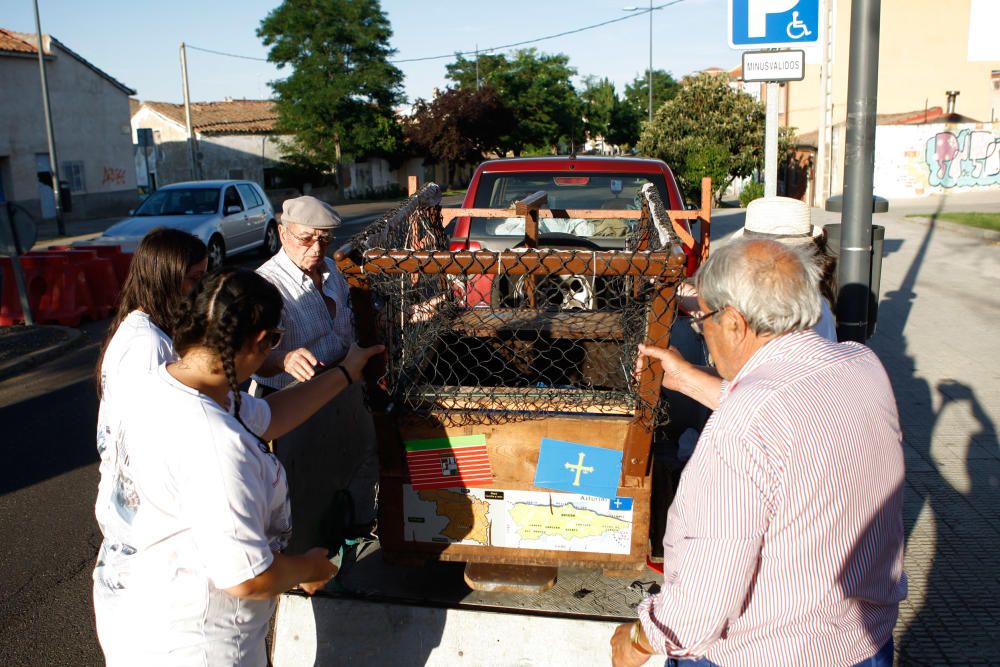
x=537, y=88
x=338, y=100
x=459, y=126
x=598, y=100
x=664, y=90
x=709, y=129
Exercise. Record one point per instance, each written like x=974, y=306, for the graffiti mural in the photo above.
x=970, y=158
x=113, y=175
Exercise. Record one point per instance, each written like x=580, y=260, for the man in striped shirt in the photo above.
x=334, y=450
x=784, y=543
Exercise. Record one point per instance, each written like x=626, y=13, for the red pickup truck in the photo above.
x=610, y=183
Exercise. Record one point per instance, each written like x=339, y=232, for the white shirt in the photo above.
x=305, y=317
x=136, y=350
x=208, y=507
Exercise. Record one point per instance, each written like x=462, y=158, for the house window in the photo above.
x=236, y=174
x=72, y=173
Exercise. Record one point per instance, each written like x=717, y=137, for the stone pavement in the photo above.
x=936, y=335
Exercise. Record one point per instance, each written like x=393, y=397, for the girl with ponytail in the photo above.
x=198, y=577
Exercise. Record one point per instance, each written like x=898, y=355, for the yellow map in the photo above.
x=466, y=514
x=536, y=521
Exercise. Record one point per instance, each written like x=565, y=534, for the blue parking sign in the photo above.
x=755, y=24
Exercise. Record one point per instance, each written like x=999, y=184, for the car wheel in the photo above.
x=272, y=242
x=216, y=253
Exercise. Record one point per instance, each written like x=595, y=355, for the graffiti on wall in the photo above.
x=113, y=175
x=970, y=158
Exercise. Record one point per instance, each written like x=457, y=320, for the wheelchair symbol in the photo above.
x=797, y=29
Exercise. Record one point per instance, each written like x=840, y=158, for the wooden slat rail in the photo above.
x=559, y=324
x=529, y=262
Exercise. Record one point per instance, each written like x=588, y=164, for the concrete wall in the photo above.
x=918, y=160
x=220, y=154
x=90, y=118
x=923, y=52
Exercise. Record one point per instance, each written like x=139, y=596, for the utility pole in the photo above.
x=192, y=150
x=477, y=67
x=855, y=264
x=53, y=162
x=650, y=61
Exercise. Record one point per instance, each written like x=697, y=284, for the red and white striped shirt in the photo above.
x=784, y=544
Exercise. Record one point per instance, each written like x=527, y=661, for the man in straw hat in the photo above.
x=332, y=454
x=784, y=543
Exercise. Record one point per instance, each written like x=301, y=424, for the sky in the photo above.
x=137, y=41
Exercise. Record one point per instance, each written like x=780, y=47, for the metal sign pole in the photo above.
x=854, y=271
x=15, y=249
x=771, y=141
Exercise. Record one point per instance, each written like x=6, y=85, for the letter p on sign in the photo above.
x=757, y=11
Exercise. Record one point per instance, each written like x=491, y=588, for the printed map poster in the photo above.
x=518, y=519
x=444, y=462
x=568, y=466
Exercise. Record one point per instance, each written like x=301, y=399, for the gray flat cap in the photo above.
x=309, y=212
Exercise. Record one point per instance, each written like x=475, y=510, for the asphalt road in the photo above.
x=48, y=482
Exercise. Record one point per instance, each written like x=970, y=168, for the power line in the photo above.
x=223, y=53
x=638, y=12
x=502, y=47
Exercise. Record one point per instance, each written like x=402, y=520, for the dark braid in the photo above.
x=222, y=314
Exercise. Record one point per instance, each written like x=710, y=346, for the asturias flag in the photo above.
x=439, y=463
x=567, y=466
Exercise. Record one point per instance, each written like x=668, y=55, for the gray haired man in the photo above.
x=784, y=543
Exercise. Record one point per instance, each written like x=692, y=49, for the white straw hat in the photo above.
x=780, y=219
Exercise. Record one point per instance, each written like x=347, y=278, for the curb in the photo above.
x=963, y=230
x=31, y=359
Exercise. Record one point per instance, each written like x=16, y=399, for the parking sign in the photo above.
x=755, y=24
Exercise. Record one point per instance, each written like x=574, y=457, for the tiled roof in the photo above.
x=918, y=117
x=25, y=43
x=229, y=117
x=15, y=42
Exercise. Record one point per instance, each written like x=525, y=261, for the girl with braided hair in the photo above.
x=203, y=564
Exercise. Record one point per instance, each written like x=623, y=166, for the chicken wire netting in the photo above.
x=485, y=337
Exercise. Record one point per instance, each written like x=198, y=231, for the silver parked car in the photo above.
x=229, y=216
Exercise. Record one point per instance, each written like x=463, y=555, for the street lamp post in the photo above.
x=650, y=71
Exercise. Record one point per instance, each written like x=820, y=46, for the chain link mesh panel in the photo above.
x=483, y=337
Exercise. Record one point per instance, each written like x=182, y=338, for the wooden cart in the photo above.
x=473, y=525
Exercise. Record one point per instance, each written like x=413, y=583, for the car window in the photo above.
x=232, y=198
x=250, y=195
x=569, y=190
x=180, y=201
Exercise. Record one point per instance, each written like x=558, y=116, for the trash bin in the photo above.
x=65, y=197
x=878, y=241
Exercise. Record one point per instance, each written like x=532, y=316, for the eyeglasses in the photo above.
x=306, y=241
x=275, y=336
x=698, y=323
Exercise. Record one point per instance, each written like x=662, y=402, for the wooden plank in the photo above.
x=577, y=325
x=498, y=578
x=665, y=265
x=449, y=214
x=449, y=398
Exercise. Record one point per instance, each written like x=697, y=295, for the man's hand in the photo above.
x=676, y=369
x=623, y=653
x=323, y=569
x=358, y=356
x=300, y=364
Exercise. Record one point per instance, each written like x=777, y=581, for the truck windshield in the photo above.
x=569, y=190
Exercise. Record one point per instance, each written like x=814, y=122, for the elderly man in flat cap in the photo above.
x=334, y=451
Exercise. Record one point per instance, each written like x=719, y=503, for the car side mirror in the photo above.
x=233, y=208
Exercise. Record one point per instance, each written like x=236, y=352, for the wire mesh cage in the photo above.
x=546, y=327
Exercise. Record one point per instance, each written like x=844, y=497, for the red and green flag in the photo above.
x=438, y=463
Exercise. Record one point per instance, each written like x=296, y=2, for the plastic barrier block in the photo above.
x=101, y=279
x=57, y=291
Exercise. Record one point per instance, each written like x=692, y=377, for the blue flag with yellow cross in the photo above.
x=576, y=468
